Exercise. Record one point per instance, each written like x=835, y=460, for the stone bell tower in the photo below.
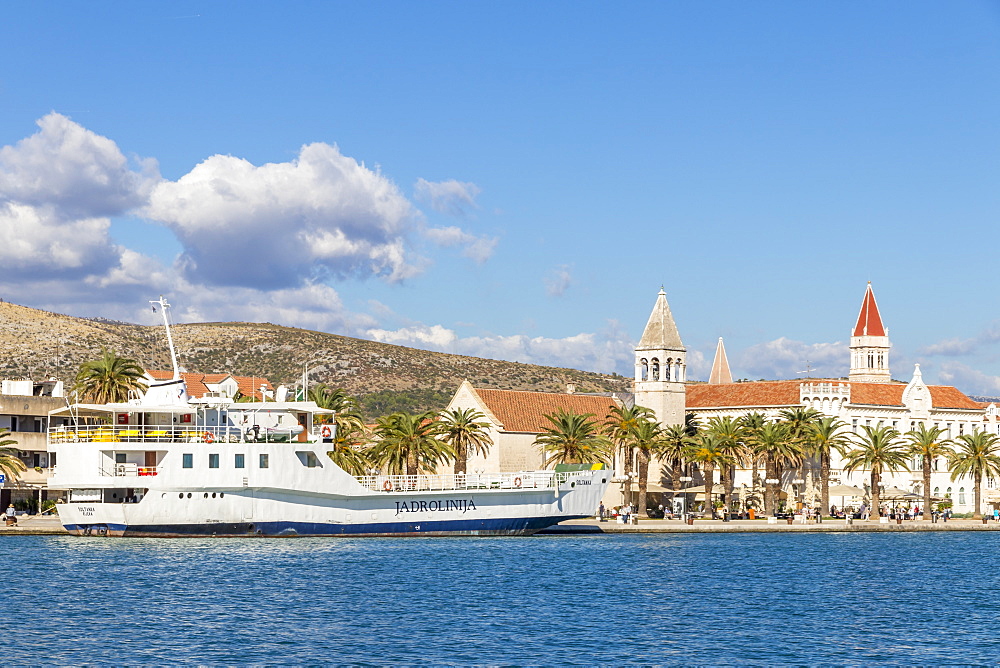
x=661, y=366
x=870, y=344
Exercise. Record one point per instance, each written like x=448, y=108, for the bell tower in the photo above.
x=661, y=366
x=870, y=344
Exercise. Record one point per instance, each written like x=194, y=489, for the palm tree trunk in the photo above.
x=977, y=514
x=769, y=492
x=876, y=478
x=709, y=471
x=675, y=473
x=824, y=483
x=411, y=462
x=643, y=459
x=627, y=470
x=927, y=487
x=728, y=475
x=461, y=458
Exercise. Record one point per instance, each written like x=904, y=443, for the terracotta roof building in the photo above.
x=515, y=418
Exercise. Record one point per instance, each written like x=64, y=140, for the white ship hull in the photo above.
x=271, y=512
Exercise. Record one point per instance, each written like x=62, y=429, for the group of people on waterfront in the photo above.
x=623, y=514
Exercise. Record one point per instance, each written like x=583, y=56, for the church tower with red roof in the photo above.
x=870, y=344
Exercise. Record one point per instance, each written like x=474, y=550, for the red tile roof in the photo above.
x=869, y=320
x=779, y=393
x=524, y=411
x=762, y=393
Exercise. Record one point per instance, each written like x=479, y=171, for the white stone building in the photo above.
x=867, y=397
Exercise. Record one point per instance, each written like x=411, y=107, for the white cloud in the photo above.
x=784, y=358
x=607, y=351
x=956, y=347
x=450, y=197
x=73, y=171
x=479, y=249
x=282, y=224
x=36, y=240
x=967, y=379
x=558, y=281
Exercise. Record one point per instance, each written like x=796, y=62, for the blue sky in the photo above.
x=516, y=180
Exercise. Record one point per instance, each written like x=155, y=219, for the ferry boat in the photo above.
x=164, y=464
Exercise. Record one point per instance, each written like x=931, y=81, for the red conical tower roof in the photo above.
x=869, y=321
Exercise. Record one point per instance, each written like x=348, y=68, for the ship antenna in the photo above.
x=170, y=340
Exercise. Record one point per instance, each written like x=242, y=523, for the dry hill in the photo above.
x=39, y=344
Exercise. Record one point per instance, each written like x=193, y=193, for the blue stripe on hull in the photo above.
x=520, y=526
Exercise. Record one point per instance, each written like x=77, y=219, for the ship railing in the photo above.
x=163, y=434
x=128, y=470
x=432, y=483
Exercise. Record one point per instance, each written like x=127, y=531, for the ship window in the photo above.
x=119, y=458
x=213, y=461
x=240, y=461
x=188, y=462
x=263, y=460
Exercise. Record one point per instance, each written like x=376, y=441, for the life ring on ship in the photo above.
x=326, y=431
x=387, y=486
x=208, y=437
x=517, y=482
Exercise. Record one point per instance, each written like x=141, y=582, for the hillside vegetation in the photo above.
x=38, y=344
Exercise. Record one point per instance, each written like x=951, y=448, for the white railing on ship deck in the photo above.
x=430, y=483
x=129, y=470
x=166, y=434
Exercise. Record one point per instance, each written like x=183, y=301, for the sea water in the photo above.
x=925, y=598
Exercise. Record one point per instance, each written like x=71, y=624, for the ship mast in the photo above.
x=170, y=340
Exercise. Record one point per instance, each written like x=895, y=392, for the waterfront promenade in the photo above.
x=592, y=526
x=34, y=525
x=49, y=526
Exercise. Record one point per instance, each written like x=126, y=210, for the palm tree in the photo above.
x=672, y=449
x=752, y=423
x=619, y=426
x=709, y=451
x=801, y=426
x=333, y=399
x=828, y=437
x=573, y=438
x=408, y=443
x=879, y=449
x=348, y=447
x=461, y=428
x=646, y=438
x=928, y=444
x=976, y=455
x=109, y=379
x=729, y=431
x=779, y=451
x=10, y=463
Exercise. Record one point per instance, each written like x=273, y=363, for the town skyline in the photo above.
x=407, y=175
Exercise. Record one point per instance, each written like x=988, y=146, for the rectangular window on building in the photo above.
x=188, y=460
x=263, y=461
x=854, y=426
x=240, y=461
x=213, y=461
x=961, y=428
